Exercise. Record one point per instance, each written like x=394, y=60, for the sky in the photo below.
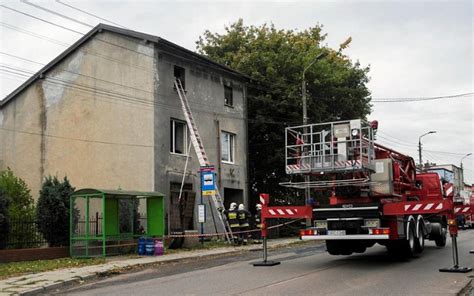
x=414, y=49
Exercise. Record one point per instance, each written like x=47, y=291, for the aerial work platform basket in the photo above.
x=338, y=146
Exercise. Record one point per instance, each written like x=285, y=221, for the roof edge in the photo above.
x=117, y=30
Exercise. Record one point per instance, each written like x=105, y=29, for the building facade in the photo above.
x=105, y=114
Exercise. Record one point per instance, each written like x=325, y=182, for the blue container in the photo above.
x=150, y=247
x=141, y=246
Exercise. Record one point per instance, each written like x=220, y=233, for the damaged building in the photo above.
x=105, y=114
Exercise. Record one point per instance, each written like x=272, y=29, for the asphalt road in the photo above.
x=305, y=270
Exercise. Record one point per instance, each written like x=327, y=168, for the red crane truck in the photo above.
x=375, y=193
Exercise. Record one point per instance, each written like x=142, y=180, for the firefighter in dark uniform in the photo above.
x=244, y=219
x=258, y=224
x=233, y=219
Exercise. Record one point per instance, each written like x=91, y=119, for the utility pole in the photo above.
x=419, y=147
x=462, y=170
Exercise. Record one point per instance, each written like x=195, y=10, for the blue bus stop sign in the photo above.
x=208, y=181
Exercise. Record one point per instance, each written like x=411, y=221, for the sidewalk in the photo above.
x=41, y=282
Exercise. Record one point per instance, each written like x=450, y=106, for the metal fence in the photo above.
x=24, y=234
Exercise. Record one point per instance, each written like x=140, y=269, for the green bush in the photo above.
x=21, y=208
x=4, y=220
x=52, y=210
x=21, y=204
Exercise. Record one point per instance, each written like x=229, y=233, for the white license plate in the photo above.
x=336, y=232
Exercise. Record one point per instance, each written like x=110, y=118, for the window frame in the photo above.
x=173, y=122
x=231, y=147
x=182, y=71
x=226, y=88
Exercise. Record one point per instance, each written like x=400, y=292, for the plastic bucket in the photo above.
x=159, y=248
x=149, y=247
x=141, y=246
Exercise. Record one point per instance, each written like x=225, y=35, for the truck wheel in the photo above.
x=441, y=240
x=420, y=239
x=410, y=242
x=333, y=247
x=359, y=247
x=338, y=248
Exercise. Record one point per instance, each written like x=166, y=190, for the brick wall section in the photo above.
x=33, y=254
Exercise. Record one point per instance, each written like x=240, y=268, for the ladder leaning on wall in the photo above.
x=202, y=156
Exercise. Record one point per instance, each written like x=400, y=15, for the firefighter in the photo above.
x=244, y=217
x=233, y=219
x=258, y=224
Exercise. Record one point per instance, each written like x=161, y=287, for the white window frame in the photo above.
x=173, y=136
x=231, y=147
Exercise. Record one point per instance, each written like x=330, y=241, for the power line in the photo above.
x=395, y=138
x=56, y=13
x=83, y=75
x=75, y=139
x=74, y=31
x=88, y=13
x=18, y=29
x=42, y=20
x=446, y=152
x=379, y=100
x=107, y=94
x=395, y=142
x=417, y=99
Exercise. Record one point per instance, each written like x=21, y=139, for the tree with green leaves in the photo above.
x=52, y=210
x=21, y=204
x=274, y=59
x=20, y=208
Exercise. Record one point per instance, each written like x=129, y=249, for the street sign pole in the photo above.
x=208, y=188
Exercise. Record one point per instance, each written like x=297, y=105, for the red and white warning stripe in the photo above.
x=448, y=188
x=282, y=212
x=262, y=200
x=462, y=210
x=424, y=207
x=347, y=163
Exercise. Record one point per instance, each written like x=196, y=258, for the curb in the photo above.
x=466, y=291
x=96, y=275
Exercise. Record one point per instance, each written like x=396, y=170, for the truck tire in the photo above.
x=338, y=248
x=410, y=242
x=420, y=238
x=359, y=247
x=441, y=240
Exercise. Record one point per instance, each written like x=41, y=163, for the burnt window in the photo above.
x=228, y=98
x=179, y=74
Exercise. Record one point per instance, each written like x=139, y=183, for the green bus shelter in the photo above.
x=109, y=222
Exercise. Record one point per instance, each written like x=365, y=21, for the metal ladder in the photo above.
x=202, y=156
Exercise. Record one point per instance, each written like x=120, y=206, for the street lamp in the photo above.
x=303, y=85
x=419, y=146
x=462, y=169
x=307, y=178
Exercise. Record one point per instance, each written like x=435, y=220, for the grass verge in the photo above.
x=18, y=268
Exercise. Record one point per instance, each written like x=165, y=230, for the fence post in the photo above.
x=96, y=223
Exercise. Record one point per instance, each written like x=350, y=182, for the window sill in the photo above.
x=179, y=154
x=229, y=106
x=227, y=162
